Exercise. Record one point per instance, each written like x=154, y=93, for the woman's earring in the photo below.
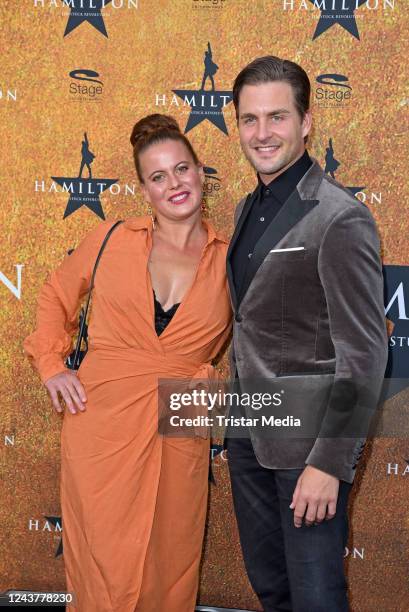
x=150, y=213
x=204, y=205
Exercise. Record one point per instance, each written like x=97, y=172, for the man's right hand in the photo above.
x=68, y=386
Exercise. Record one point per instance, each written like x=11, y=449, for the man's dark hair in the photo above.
x=268, y=69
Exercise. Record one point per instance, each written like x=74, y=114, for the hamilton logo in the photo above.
x=215, y=451
x=341, y=12
x=206, y=103
x=91, y=11
x=10, y=95
x=332, y=165
x=396, y=282
x=84, y=192
x=56, y=521
x=51, y=524
x=15, y=289
x=337, y=11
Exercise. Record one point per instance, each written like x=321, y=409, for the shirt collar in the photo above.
x=283, y=186
x=145, y=223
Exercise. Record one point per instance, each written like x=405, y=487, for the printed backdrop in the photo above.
x=75, y=75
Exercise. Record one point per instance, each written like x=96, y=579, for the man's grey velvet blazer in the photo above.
x=314, y=311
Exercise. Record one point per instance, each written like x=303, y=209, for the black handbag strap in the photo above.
x=101, y=250
x=84, y=318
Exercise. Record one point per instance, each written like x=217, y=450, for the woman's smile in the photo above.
x=179, y=198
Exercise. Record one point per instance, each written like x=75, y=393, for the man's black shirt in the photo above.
x=267, y=203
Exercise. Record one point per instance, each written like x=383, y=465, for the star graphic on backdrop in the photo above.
x=56, y=520
x=84, y=192
x=90, y=13
x=205, y=105
x=343, y=13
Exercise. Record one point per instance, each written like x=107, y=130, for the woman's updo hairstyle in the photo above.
x=153, y=129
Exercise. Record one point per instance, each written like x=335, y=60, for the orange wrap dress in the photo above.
x=133, y=501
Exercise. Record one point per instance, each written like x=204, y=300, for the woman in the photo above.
x=133, y=501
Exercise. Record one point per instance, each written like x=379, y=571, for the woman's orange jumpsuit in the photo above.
x=133, y=501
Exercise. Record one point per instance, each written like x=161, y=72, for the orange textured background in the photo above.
x=149, y=51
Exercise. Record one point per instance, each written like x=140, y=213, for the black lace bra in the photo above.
x=163, y=317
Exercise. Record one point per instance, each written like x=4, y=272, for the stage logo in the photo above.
x=85, y=85
x=13, y=286
x=51, y=524
x=333, y=90
x=205, y=103
x=81, y=11
x=338, y=12
x=213, y=184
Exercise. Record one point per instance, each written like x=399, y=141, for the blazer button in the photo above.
x=238, y=318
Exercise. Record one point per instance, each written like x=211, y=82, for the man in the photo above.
x=306, y=285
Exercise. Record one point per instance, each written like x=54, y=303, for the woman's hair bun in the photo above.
x=155, y=129
x=150, y=126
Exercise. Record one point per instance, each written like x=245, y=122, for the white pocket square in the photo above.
x=286, y=250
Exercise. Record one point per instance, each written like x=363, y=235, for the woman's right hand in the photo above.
x=68, y=386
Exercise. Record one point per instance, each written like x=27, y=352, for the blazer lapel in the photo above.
x=246, y=209
x=292, y=211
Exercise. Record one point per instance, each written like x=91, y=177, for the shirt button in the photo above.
x=249, y=255
x=268, y=191
x=239, y=319
x=261, y=218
